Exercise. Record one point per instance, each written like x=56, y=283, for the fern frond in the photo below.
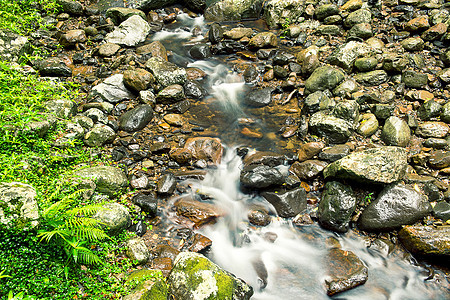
x=87, y=210
x=91, y=234
x=89, y=258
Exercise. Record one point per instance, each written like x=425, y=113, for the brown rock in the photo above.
x=206, y=148
x=427, y=240
x=416, y=24
x=108, y=49
x=263, y=40
x=432, y=129
x=195, y=74
x=258, y=217
x=271, y=159
x=199, y=242
x=439, y=159
x=198, y=212
x=72, y=37
x=155, y=48
x=308, y=169
x=420, y=95
x=308, y=150
x=238, y=33
x=251, y=133
x=435, y=32
x=174, y=119
x=164, y=264
x=181, y=155
x=138, y=79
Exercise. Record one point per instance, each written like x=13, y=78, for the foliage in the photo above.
x=368, y=198
x=285, y=26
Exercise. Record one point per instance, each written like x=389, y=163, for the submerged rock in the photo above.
x=195, y=277
x=427, y=240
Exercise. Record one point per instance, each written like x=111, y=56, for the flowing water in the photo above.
x=281, y=260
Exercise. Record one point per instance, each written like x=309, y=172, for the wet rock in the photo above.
x=108, y=180
x=200, y=51
x=329, y=30
x=194, y=276
x=336, y=206
x=326, y=10
x=396, y=132
x=99, y=135
x=346, y=110
x=18, y=206
x=442, y=211
x=166, y=73
x=108, y=49
x=120, y=14
x=138, y=79
x=426, y=240
x=71, y=7
x=205, y=148
x=174, y=119
x=309, y=150
x=420, y=95
x=436, y=143
x=166, y=184
x=53, y=66
x=439, y=159
x=414, y=79
x=277, y=11
x=270, y=159
x=147, y=202
x=136, y=118
x=378, y=165
x=198, y=242
x=238, y=33
x=393, y=62
x=344, y=56
x=334, y=129
x=445, y=113
x=139, y=182
x=155, y=49
x=287, y=204
x=429, y=110
x=317, y=101
x=150, y=285
x=259, y=97
x=432, y=129
x=130, y=32
x=114, y=217
x=357, y=17
x=368, y=125
x=263, y=40
x=361, y=31
x=324, y=78
x=198, y=212
x=112, y=90
x=197, y=6
x=181, y=155
x=194, y=90
x=435, y=32
x=345, y=271
x=366, y=64
x=396, y=205
x=334, y=153
x=348, y=86
x=308, y=169
x=170, y=94
x=72, y=37
x=413, y=44
x=444, y=75
x=137, y=250
x=419, y=23
x=372, y=78
x=215, y=33
x=260, y=176
x=258, y=217
x=61, y=108
x=308, y=59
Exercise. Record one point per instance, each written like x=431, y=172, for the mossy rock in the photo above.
x=150, y=285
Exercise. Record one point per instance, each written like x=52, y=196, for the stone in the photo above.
x=435, y=32
x=336, y=206
x=170, y=94
x=309, y=150
x=136, y=118
x=427, y=240
x=120, y=14
x=130, y=33
x=432, y=129
x=317, y=101
x=215, y=33
x=114, y=217
x=200, y=51
x=71, y=7
x=18, y=206
x=155, y=49
x=260, y=176
x=137, y=250
x=276, y=12
x=335, y=130
x=414, y=79
x=324, y=78
x=326, y=10
x=138, y=79
x=361, y=31
x=333, y=30
x=368, y=125
x=112, y=90
x=238, y=33
x=150, y=285
x=61, y=108
x=258, y=217
x=53, y=66
x=334, y=153
x=347, y=110
x=413, y=44
x=444, y=75
x=166, y=184
x=230, y=10
x=288, y=204
x=258, y=97
x=108, y=49
x=263, y=40
x=197, y=6
x=99, y=135
x=12, y=46
x=199, y=213
x=445, y=113
x=72, y=37
x=195, y=277
x=396, y=132
x=372, y=78
x=392, y=62
x=420, y=95
x=346, y=87
x=381, y=165
x=270, y=159
x=147, y=97
x=439, y=159
x=72, y=132
x=352, y=5
x=396, y=205
x=366, y=64
x=358, y=16
x=442, y=211
x=345, y=55
x=419, y=23
x=166, y=73
x=205, y=148
x=308, y=169
x=108, y=180
x=429, y=110
x=147, y=202
x=308, y=59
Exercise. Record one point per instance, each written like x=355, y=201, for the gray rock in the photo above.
x=193, y=276
x=96, y=115
x=436, y=143
x=112, y=90
x=428, y=110
x=260, y=176
x=318, y=101
x=238, y=33
x=444, y=75
x=166, y=73
x=137, y=250
x=287, y=204
x=263, y=40
x=53, y=66
x=372, y=78
x=18, y=206
x=445, y=113
x=147, y=5
x=99, y=135
x=334, y=129
x=131, y=32
x=108, y=49
x=396, y=205
x=197, y=6
x=366, y=64
x=345, y=55
x=136, y=118
x=120, y=14
x=192, y=89
x=109, y=180
x=427, y=241
x=231, y=10
x=396, y=132
x=147, y=97
x=324, y=78
x=71, y=7
x=357, y=17
x=326, y=10
x=347, y=86
x=334, y=153
x=72, y=38
x=383, y=111
x=393, y=62
x=72, y=132
x=368, y=125
x=84, y=121
x=200, y=51
x=61, y=108
x=414, y=79
x=166, y=184
x=413, y=44
x=277, y=11
x=361, y=30
x=115, y=218
x=215, y=33
x=308, y=169
x=171, y=94
x=12, y=46
x=442, y=210
x=147, y=202
x=346, y=110
x=378, y=165
x=432, y=129
x=333, y=30
x=336, y=206
x=259, y=97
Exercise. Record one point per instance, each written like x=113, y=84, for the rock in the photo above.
x=71, y=7
x=131, y=32
x=72, y=37
x=348, y=86
x=260, y=176
x=366, y=64
x=166, y=73
x=318, y=101
x=347, y=110
x=287, y=204
x=334, y=153
x=420, y=95
x=276, y=12
x=147, y=5
x=309, y=150
x=345, y=55
x=114, y=217
x=238, y=33
x=72, y=132
x=258, y=217
x=308, y=169
x=361, y=31
x=357, y=17
x=194, y=90
x=345, y=271
x=99, y=135
x=138, y=79
x=396, y=205
x=439, y=159
x=393, y=62
x=324, y=78
x=230, y=10
x=445, y=113
x=259, y=97
x=108, y=180
x=414, y=79
x=378, y=165
x=396, y=132
x=198, y=212
x=432, y=129
x=417, y=24
x=195, y=277
x=12, y=46
x=429, y=110
x=171, y=94
x=147, y=202
x=435, y=32
x=336, y=206
x=326, y=10
x=215, y=33
x=263, y=40
x=270, y=159
x=108, y=49
x=444, y=75
x=205, y=148
x=427, y=240
x=147, y=97
x=334, y=129
x=53, y=66
x=372, y=78
x=61, y=108
x=166, y=184
x=150, y=285
x=156, y=49
x=413, y=44
x=137, y=250
x=368, y=125
x=329, y=30
x=120, y=14
x=200, y=51
x=136, y=118
x=442, y=211
x=18, y=206
x=309, y=59
x=197, y=6
x=111, y=90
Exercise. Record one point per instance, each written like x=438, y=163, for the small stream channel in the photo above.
x=281, y=260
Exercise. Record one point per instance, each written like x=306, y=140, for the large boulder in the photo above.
x=114, y=217
x=120, y=14
x=382, y=165
x=232, y=10
x=426, y=240
x=112, y=90
x=195, y=277
x=324, y=78
x=136, y=118
x=130, y=32
x=261, y=176
x=108, y=180
x=336, y=206
x=276, y=12
x=396, y=205
x=166, y=73
x=18, y=206
x=287, y=204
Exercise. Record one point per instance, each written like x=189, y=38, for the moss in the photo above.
x=225, y=285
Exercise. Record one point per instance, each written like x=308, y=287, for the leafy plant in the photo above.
x=285, y=26
x=368, y=198
x=19, y=296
